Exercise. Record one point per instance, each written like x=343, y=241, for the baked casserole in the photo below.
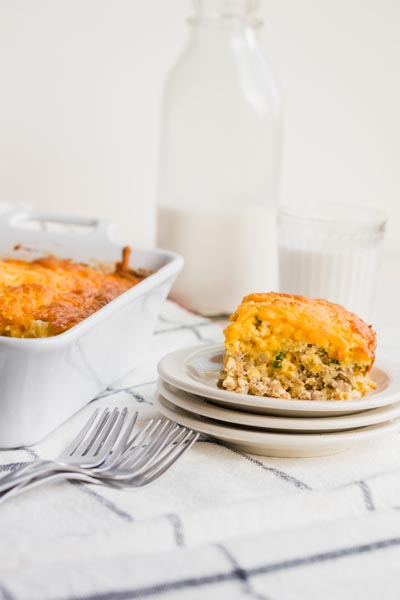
x=288, y=346
x=47, y=296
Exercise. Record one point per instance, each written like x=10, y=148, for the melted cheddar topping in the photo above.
x=48, y=296
x=269, y=323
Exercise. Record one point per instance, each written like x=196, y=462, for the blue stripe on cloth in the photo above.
x=218, y=578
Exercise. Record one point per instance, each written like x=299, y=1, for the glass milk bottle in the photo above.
x=219, y=162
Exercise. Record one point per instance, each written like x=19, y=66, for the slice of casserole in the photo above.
x=288, y=346
x=47, y=296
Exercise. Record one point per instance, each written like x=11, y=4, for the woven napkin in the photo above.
x=220, y=524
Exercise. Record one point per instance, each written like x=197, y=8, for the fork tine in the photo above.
x=113, y=456
x=125, y=439
x=103, y=434
x=170, y=436
x=140, y=438
x=160, y=435
x=147, y=444
x=172, y=456
x=180, y=440
x=70, y=449
x=88, y=441
x=112, y=435
x=179, y=437
x=133, y=446
x=130, y=446
x=147, y=454
x=157, y=470
x=142, y=435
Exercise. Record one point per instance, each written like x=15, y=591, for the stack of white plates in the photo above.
x=188, y=394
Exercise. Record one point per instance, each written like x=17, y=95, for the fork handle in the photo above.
x=24, y=472
x=37, y=481
x=38, y=468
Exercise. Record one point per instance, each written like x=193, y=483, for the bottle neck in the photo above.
x=226, y=12
x=220, y=34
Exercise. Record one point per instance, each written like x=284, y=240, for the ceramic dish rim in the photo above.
x=387, y=366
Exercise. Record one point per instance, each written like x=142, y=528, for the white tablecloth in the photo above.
x=220, y=524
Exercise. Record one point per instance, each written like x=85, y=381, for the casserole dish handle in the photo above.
x=52, y=223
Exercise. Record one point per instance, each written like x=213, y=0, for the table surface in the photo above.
x=221, y=523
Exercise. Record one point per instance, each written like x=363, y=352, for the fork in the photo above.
x=159, y=448
x=91, y=447
x=169, y=438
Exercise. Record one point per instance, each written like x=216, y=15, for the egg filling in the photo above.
x=292, y=347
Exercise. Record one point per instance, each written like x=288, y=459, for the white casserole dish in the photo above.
x=44, y=381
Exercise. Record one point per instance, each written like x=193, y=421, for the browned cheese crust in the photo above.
x=290, y=346
x=47, y=296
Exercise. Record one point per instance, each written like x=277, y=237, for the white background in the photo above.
x=80, y=95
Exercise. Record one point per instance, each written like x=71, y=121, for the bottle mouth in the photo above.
x=197, y=21
x=226, y=10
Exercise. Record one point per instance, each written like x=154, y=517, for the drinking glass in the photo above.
x=331, y=251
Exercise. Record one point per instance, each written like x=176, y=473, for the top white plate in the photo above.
x=196, y=370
